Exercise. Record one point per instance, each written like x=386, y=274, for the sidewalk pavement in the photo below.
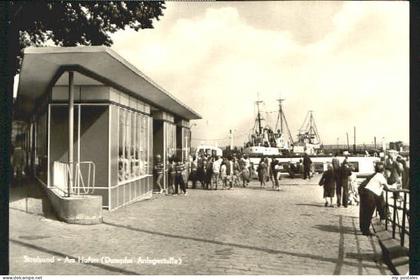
x=241, y=231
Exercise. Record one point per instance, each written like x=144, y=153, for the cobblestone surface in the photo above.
x=239, y=231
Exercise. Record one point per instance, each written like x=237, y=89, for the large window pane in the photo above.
x=133, y=162
x=138, y=143
x=133, y=141
x=122, y=129
x=128, y=146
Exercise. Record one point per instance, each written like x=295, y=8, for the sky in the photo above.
x=348, y=62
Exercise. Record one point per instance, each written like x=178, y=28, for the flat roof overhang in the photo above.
x=42, y=68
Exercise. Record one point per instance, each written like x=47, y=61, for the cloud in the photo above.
x=352, y=72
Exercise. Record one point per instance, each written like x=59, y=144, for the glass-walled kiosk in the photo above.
x=115, y=129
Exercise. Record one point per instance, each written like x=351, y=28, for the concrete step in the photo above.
x=395, y=255
x=401, y=261
x=30, y=199
x=28, y=204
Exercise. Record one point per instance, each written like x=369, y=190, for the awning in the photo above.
x=95, y=65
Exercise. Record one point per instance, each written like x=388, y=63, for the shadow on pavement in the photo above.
x=334, y=228
x=29, y=197
x=309, y=204
x=241, y=246
x=373, y=257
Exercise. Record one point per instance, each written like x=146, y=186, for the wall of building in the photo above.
x=90, y=142
x=40, y=149
x=120, y=140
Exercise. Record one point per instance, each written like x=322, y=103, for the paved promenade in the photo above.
x=239, y=231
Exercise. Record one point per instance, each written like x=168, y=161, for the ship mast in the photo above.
x=282, y=119
x=259, y=119
x=309, y=130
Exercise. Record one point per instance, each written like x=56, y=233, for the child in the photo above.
x=328, y=182
x=353, y=194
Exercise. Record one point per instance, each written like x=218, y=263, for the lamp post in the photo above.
x=231, y=131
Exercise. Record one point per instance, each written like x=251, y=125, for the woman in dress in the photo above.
x=262, y=171
x=328, y=181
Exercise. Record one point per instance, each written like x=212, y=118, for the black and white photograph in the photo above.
x=206, y=138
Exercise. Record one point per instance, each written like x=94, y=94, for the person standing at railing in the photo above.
x=371, y=198
x=405, y=173
x=394, y=172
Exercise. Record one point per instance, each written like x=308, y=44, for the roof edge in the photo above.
x=116, y=56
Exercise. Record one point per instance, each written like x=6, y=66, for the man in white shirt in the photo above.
x=371, y=198
x=216, y=171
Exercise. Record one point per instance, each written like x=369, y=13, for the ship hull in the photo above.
x=262, y=151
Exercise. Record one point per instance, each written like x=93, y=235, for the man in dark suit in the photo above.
x=306, y=166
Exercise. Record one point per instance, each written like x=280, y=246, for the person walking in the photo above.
x=328, y=182
x=244, y=174
x=262, y=171
x=216, y=172
x=171, y=177
x=307, y=162
x=236, y=172
x=201, y=170
x=229, y=172
x=274, y=180
x=209, y=173
x=338, y=182
x=371, y=198
x=18, y=162
x=179, y=178
x=194, y=172
x=223, y=173
x=158, y=170
x=248, y=164
x=268, y=164
x=345, y=176
x=278, y=168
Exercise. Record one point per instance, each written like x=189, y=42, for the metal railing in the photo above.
x=79, y=180
x=398, y=213
x=84, y=177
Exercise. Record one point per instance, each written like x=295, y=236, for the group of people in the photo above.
x=338, y=180
x=269, y=170
x=391, y=173
x=176, y=169
x=213, y=171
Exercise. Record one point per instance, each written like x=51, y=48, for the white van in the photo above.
x=209, y=150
